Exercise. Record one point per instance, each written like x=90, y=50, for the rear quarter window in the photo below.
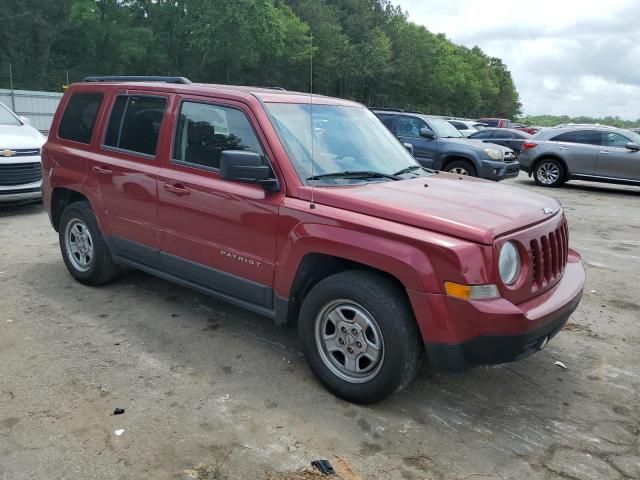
x=134, y=124
x=79, y=117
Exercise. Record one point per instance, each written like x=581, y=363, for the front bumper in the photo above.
x=460, y=334
x=21, y=193
x=499, y=170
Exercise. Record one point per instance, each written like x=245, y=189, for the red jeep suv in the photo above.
x=307, y=210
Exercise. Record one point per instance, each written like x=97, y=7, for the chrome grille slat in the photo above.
x=19, y=174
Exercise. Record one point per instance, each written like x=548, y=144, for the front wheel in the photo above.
x=359, y=336
x=462, y=167
x=549, y=172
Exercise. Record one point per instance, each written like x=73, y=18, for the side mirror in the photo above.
x=409, y=147
x=426, y=133
x=633, y=146
x=247, y=167
x=25, y=120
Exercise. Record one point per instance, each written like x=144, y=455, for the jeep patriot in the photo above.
x=309, y=211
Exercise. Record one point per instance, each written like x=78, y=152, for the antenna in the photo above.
x=312, y=205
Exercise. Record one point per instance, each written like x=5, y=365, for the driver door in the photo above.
x=615, y=160
x=424, y=149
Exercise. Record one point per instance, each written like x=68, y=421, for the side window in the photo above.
x=410, y=126
x=388, y=121
x=482, y=134
x=588, y=137
x=79, y=117
x=612, y=139
x=135, y=123
x=569, y=137
x=204, y=131
x=458, y=125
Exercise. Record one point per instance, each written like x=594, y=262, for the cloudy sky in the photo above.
x=566, y=56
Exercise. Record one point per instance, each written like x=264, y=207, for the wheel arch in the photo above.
x=452, y=157
x=61, y=198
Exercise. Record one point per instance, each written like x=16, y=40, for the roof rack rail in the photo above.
x=275, y=88
x=387, y=109
x=136, y=78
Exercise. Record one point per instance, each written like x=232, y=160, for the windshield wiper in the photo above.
x=411, y=168
x=355, y=174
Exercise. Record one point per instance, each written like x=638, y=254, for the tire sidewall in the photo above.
x=397, y=357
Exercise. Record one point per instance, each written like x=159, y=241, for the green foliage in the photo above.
x=365, y=50
x=553, y=120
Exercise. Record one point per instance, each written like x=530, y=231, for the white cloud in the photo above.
x=573, y=57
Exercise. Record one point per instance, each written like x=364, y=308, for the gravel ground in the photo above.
x=214, y=392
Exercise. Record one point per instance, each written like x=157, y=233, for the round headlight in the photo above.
x=509, y=263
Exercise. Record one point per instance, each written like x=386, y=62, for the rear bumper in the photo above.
x=460, y=334
x=499, y=170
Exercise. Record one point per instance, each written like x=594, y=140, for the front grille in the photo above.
x=20, y=174
x=549, y=256
x=22, y=152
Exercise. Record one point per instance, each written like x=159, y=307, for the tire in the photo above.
x=461, y=167
x=84, y=251
x=549, y=172
x=359, y=298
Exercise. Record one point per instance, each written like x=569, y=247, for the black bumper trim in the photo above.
x=492, y=349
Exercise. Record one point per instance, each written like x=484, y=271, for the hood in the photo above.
x=463, y=207
x=20, y=136
x=476, y=143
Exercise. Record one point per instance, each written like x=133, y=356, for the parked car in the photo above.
x=507, y=137
x=635, y=130
x=438, y=144
x=602, y=154
x=467, y=127
x=496, y=122
x=525, y=128
x=312, y=214
x=20, y=170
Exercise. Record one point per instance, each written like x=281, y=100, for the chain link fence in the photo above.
x=34, y=92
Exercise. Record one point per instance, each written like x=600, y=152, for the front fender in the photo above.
x=405, y=262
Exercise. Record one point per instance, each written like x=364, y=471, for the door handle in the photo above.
x=604, y=152
x=101, y=171
x=177, y=189
x=563, y=148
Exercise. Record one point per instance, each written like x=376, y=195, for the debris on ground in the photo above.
x=560, y=364
x=323, y=466
x=118, y=411
x=119, y=432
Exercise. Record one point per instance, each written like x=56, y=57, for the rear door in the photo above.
x=424, y=149
x=125, y=170
x=579, y=149
x=215, y=233
x=615, y=160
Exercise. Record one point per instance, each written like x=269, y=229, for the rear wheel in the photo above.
x=549, y=172
x=461, y=167
x=359, y=336
x=83, y=249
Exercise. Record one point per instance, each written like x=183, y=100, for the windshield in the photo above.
x=6, y=117
x=345, y=139
x=444, y=128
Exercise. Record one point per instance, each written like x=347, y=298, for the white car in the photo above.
x=20, y=165
x=467, y=127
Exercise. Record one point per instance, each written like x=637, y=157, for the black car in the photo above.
x=508, y=137
x=437, y=144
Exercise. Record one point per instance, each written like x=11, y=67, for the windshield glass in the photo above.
x=6, y=117
x=444, y=128
x=345, y=139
